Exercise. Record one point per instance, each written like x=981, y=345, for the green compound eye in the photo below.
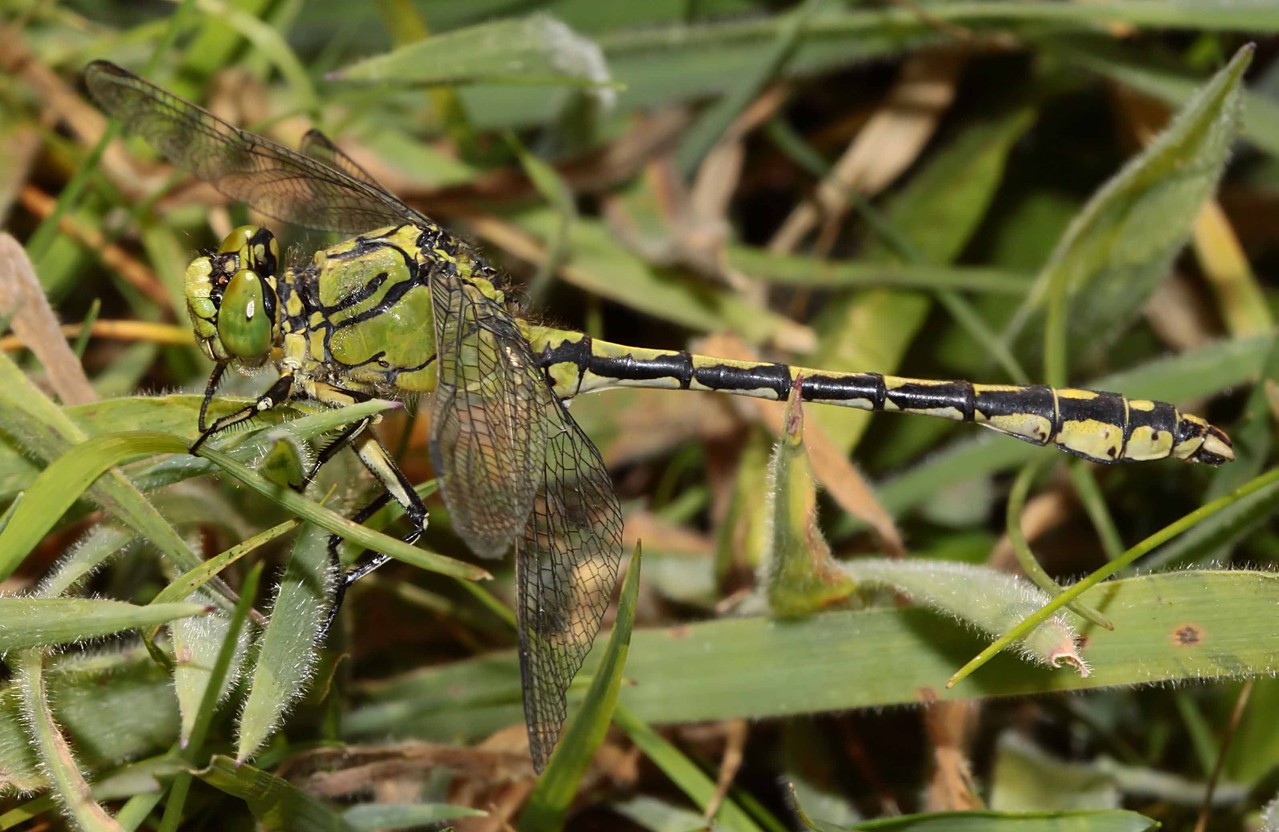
x=244, y=318
x=255, y=246
x=236, y=241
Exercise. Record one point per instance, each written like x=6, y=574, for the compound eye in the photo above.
x=244, y=319
x=254, y=246
x=237, y=240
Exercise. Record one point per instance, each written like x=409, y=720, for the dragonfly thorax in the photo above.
x=231, y=297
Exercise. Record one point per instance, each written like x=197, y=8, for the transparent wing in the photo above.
x=317, y=145
x=487, y=428
x=566, y=565
x=279, y=182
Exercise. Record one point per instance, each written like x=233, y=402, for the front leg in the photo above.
x=279, y=393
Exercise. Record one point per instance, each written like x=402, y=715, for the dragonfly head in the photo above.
x=231, y=297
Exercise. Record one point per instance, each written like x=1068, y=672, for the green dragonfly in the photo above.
x=405, y=308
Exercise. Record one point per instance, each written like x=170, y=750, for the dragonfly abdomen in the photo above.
x=1095, y=425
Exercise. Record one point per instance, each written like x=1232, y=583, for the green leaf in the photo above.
x=534, y=50
x=31, y=622
x=196, y=645
x=807, y=272
x=1119, y=247
x=1027, y=779
x=287, y=655
x=601, y=265
x=115, y=706
x=45, y=430
x=55, y=753
x=1174, y=87
x=800, y=575
x=1168, y=627
x=63, y=482
x=981, y=821
x=549, y=802
x=275, y=803
x=990, y=600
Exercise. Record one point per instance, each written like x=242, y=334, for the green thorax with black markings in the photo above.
x=358, y=315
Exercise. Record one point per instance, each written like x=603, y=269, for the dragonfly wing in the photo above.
x=317, y=145
x=566, y=566
x=487, y=431
x=279, y=182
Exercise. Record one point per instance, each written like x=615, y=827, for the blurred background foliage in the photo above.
x=989, y=189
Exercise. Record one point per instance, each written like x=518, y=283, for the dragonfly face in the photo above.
x=231, y=297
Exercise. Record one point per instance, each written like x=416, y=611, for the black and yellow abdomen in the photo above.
x=1103, y=427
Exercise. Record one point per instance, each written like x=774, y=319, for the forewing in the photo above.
x=273, y=179
x=566, y=566
x=487, y=430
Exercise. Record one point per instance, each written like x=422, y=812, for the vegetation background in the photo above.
x=1069, y=192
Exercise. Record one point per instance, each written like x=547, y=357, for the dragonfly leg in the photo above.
x=279, y=392
x=394, y=486
x=346, y=437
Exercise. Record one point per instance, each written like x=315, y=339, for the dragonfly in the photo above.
x=405, y=308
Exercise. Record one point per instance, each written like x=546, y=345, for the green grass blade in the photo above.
x=31, y=622
x=56, y=757
x=984, y=821
x=335, y=523
x=538, y=49
x=683, y=772
x=189, y=582
x=603, y=266
x=803, y=271
x=1265, y=482
x=717, y=120
x=867, y=659
x=275, y=803
x=66, y=480
x=1119, y=247
x=287, y=655
x=46, y=431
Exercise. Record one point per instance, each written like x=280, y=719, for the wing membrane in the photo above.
x=567, y=566
x=279, y=182
x=487, y=434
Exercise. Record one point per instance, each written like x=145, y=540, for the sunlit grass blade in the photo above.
x=46, y=431
x=66, y=481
